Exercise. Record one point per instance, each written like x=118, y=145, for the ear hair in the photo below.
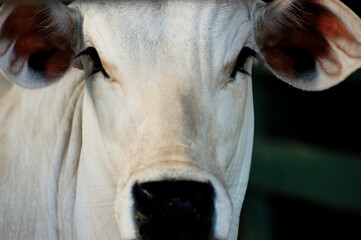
x=50, y=20
x=311, y=44
x=38, y=40
x=280, y=15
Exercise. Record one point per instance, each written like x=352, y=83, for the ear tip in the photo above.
x=317, y=81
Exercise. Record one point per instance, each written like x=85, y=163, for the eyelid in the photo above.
x=241, y=60
x=94, y=56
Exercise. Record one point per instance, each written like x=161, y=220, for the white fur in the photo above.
x=71, y=152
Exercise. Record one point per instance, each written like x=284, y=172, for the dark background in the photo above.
x=305, y=180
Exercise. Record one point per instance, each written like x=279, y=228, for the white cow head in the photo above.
x=168, y=114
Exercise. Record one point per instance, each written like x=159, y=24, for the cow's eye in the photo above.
x=242, y=58
x=97, y=64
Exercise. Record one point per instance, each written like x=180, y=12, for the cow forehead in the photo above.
x=147, y=32
x=158, y=21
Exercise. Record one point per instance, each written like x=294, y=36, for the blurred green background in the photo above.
x=305, y=180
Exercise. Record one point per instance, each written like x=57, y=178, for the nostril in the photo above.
x=174, y=210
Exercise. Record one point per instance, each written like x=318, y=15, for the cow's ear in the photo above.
x=38, y=41
x=311, y=44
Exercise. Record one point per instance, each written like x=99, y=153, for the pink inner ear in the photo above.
x=335, y=31
x=296, y=54
x=292, y=45
x=49, y=52
x=332, y=28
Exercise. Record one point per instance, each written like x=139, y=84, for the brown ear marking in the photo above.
x=298, y=38
x=37, y=40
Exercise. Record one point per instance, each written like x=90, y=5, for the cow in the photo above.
x=133, y=120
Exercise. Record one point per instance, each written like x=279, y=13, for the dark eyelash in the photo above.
x=94, y=56
x=244, y=54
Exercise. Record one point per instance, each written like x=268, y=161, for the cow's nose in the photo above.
x=174, y=210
